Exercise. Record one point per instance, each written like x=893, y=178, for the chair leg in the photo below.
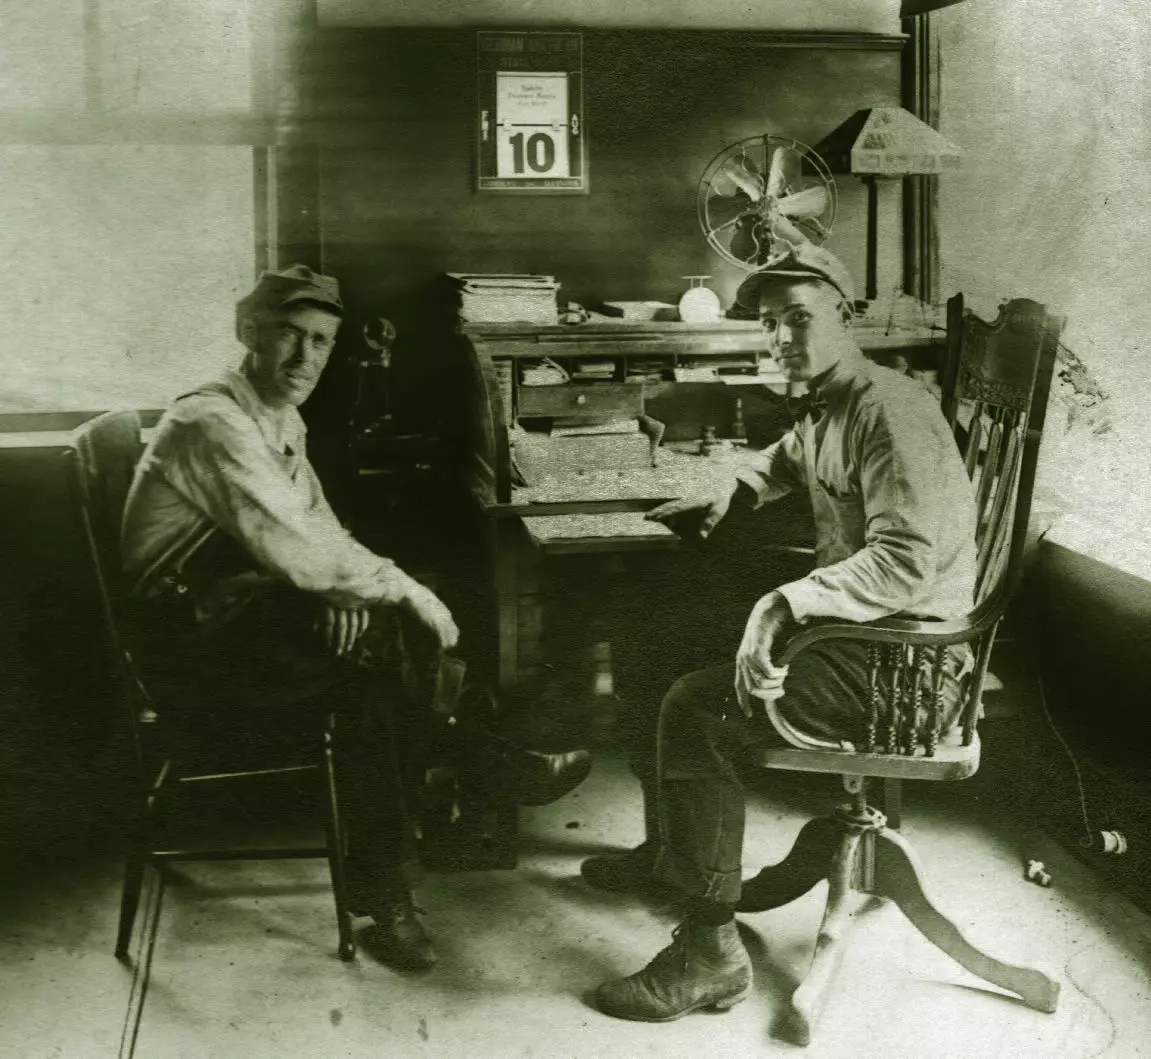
x=137, y=861
x=898, y=876
x=843, y=903
x=804, y=866
x=336, y=850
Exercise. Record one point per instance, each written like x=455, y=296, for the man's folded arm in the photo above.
x=903, y=507
x=221, y=463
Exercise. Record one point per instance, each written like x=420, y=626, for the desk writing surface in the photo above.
x=676, y=474
x=617, y=530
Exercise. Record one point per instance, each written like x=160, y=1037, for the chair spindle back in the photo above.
x=995, y=383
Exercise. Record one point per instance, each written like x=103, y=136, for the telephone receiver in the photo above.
x=379, y=335
x=371, y=409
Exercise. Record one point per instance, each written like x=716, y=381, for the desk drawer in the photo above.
x=597, y=400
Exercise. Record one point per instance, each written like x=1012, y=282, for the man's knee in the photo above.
x=691, y=712
x=685, y=700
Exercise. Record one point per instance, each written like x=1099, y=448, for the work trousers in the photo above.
x=703, y=733
x=262, y=673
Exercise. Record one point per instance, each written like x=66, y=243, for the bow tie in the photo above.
x=810, y=404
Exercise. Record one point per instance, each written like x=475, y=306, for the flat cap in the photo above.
x=297, y=283
x=805, y=261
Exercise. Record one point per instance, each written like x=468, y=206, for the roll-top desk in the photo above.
x=585, y=492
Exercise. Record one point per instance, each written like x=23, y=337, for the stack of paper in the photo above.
x=507, y=297
x=588, y=370
x=544, y=375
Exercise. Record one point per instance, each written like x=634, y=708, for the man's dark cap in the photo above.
x=297, y=283
x=805, y=261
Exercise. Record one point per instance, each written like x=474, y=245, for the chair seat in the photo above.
x=952, y=761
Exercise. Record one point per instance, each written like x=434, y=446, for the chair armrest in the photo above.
x=886, y=630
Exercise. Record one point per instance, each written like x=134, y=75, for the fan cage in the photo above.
x=765, y=145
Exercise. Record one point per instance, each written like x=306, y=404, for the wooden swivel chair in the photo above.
x=995, y=384
x=99, y=463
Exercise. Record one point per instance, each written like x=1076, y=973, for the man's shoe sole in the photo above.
x=721, y=1004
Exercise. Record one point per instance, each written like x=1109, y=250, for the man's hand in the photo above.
x=428, y=608
x=341, y=627
x=709, y=508
x=756, y=676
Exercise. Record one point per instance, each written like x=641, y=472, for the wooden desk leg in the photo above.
x=507, y=604
x=505, y=568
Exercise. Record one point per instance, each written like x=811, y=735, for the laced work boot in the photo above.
x=401, y=939
x=703, y=967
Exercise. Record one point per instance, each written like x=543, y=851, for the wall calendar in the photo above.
x=531, y=134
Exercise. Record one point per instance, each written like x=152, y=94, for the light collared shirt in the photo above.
x=223, y=461
x=894, y=509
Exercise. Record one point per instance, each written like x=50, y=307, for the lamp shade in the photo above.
x=921, y=7
x=887, y=141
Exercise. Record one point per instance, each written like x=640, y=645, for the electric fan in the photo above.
x=761, y=195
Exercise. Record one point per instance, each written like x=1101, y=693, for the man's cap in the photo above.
x=805, y=261
x=297, y=283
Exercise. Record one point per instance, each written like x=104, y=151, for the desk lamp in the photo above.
x=881, y=143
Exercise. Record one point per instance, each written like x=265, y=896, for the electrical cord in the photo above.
x=1086, y=841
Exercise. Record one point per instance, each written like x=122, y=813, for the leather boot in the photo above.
x=703, y=967
x=526, y=776
x=626, y=872
x=536, y=778
x=400, y=939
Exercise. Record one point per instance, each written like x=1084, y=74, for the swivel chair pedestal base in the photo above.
x=868, y=859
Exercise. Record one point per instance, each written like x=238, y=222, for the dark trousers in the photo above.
x=703, y=733
x=263, y=674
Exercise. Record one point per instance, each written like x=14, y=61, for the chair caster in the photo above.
x=347, y=950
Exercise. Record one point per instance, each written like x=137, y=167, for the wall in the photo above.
x=398, y=206
x=1051, y=103
x=394, y=112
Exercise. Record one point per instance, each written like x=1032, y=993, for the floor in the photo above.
x=243, y=960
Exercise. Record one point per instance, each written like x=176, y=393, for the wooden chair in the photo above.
x=995, y=384
x=99, y=463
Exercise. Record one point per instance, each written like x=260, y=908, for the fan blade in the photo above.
x=807, y=203
x=746, y=180
x=784, y=229
x=724, y=185
x=786, y=167
x=724, y=209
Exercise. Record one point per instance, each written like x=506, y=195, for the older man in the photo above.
x=249, y=581
x=894, y=518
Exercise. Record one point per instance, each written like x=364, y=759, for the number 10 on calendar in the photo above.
x=534, y=125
